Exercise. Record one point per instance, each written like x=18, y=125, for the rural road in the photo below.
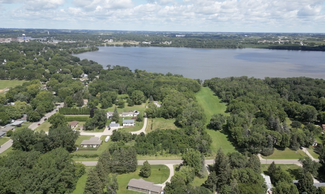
x=33, y=126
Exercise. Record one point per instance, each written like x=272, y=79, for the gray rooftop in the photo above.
x=6, y=128
x=128, y=121
x=92, y=141
x=267, y=181
x=17, y=123
x=146, y=185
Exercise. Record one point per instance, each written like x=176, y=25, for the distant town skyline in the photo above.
x=292, y=16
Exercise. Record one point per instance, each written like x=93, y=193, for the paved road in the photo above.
x=33, y=126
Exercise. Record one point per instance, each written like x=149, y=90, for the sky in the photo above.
x=306, y=16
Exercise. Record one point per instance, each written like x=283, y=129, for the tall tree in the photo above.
x=192, y=158
x=145, y=170
x=306, y=184
x=57, y=120
x=115, y=116
x=92, y=186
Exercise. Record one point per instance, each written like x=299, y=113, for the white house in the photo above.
x=128, y=123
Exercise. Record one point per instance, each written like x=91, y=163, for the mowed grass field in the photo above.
x=159, y=174
x=160, y=123
x=10, y=83
x=212, y=105
x=292, y=169
x=286, y=154
x=3, y=140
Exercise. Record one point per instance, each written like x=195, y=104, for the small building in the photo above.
x=113, y=125
x=109, y=115
x=128, y=123
x=92, y=142
x=17, y=123
x=157, y=104
x=127, y=114
x=267, y=181
x=73, y=124
x=143, y=186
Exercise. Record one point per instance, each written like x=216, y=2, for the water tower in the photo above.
x=24, y=36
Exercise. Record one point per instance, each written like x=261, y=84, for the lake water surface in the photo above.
x=209, y=63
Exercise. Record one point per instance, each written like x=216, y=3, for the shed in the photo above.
x=92, y=142
x=143, y=186
x=17, y=123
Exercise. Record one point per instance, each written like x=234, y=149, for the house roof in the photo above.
x=73, y=123
x=142, y=184
x=92, y=141
x=113, y=124
x=2, y=133
x=128, y=121
x=17, y=123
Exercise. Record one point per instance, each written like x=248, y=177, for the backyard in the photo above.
x=160, y=123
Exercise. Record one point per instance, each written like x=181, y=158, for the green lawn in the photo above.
x=212, y=105
x=127, y=108
x=198, y=181
x=10, y=83
x=292, y=169
x=220, y=140
x=44, y=127
x=286, y=154
x=3, y=140
x=157, y=177
x=83, y=137
x=160, y=123
x=160, y=157
x=311, y=151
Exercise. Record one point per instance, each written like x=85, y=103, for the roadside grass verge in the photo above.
x=10, y=83
x=44, y=127
x=286, y=154
x=4, y=140
x=159, y=157
x=160, y=123
x=292, y=169
x=6, y=152
x=212, y=105
x=159, y=174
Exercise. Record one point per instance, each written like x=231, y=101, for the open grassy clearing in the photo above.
x=292, y=169
x=160, y=123
x=159, y=174
x=286, y=154
x=10, y=83
x=44, y=127
x=80, y=187
x=212, y=105
x=3, y=140
x=137, y=127
x=220, y=140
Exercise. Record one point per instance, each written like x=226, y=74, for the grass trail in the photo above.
x=212, y=105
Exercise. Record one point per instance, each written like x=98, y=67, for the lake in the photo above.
x=209, y=63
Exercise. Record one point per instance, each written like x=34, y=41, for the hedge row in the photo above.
x=76, y=118
x=74, y=111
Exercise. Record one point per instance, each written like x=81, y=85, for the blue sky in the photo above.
x=167, y=15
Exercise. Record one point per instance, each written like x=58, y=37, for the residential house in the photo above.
x=17, y=123
x=130, y=114
x=143, y=186
x=113, y=125
x=128, y=123
x=73, y=124
x=92, y=142
x=109, y=115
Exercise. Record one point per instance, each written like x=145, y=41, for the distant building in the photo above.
x=113, y=125
x=109, y=115
x=157, y=104
x=180, y=35
x=143, y=186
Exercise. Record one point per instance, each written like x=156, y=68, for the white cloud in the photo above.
x=224, y=15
